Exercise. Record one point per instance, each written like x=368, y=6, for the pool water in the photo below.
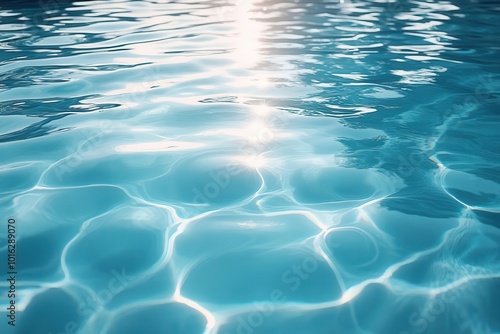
x=248, y=167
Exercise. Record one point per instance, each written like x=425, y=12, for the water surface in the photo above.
x=251, y=166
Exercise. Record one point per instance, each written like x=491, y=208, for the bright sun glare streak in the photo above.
x=248, y=32
x=247, y=54
x=257, y=132
x=252, y=161
x=261, y=109
x=262, y=81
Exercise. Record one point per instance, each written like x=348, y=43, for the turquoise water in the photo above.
x=248, y=167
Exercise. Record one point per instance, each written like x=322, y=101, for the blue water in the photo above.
x=248, y=167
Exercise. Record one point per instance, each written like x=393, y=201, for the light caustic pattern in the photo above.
x=242, y=167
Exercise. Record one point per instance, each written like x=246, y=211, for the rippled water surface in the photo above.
x=245, y=167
